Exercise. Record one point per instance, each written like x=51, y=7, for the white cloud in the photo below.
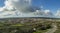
x=43, y=13
x=58, y=13
x=22, y=5
x=22, y=8
x=48, y=13
x=38, y=12
x=9, y=6
x=7, y=10
x=1, y=9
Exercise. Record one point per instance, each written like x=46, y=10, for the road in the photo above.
x=53, y=29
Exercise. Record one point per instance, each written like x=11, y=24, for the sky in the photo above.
x=2, y=3
x=50, y=7
x=53, y=5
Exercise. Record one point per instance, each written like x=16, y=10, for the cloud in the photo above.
x=7, y=10
x=8, y=6
x=1, y=9
x=48, y=13
x=58, y=13
x=22, y=8
x=22, y=5
x=43, y=13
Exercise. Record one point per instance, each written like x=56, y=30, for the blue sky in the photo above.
x=2, y=3
x=48, y=5
x=53, y=5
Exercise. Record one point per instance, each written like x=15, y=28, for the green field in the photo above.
x=37, y=26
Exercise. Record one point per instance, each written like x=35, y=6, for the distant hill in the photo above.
x=30, y=17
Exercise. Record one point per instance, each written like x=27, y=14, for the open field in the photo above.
x=30, y=25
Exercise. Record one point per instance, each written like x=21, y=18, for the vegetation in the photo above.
x=29, y=26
